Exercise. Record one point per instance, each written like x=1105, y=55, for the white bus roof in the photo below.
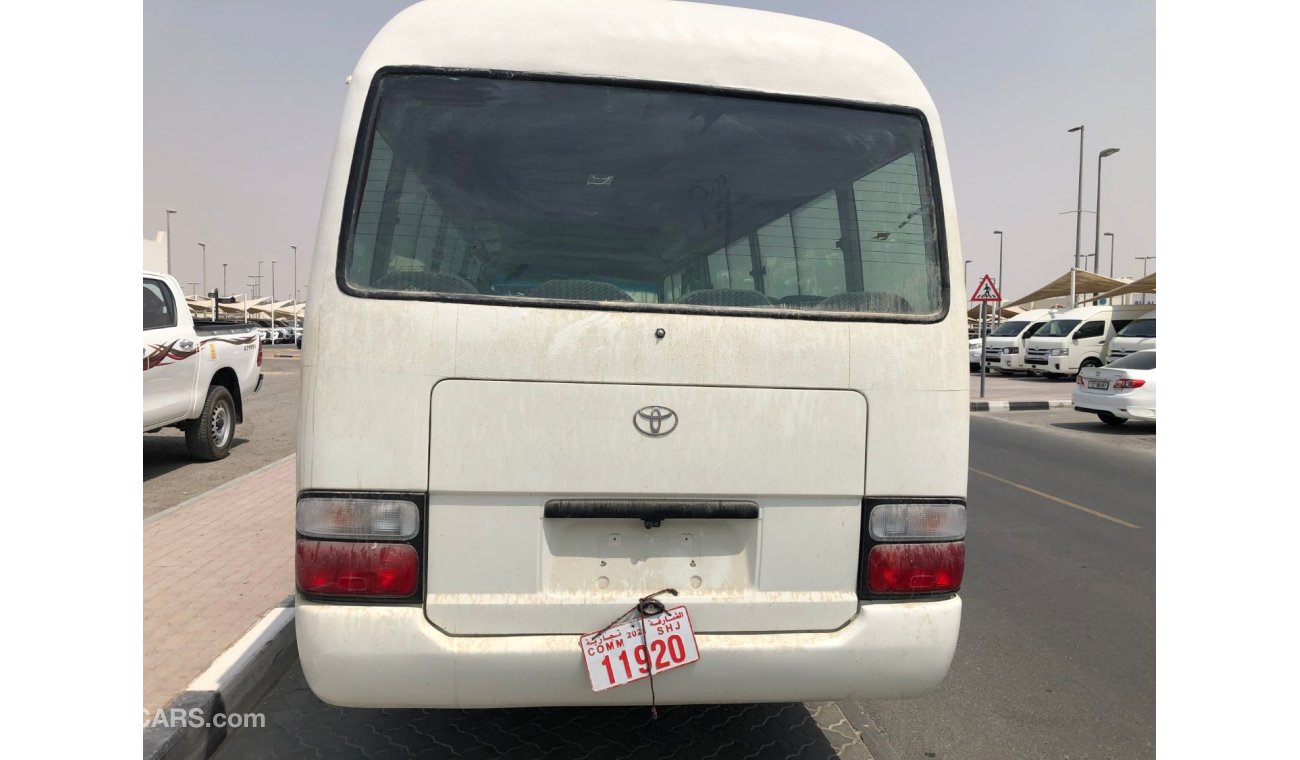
x=649, y=40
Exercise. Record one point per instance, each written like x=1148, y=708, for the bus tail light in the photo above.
x=342, y=517
x=916, y=568
x=357, y=547
x=339, y=568
x=912, y=547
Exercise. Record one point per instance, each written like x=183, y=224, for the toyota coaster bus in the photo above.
x=625, y=312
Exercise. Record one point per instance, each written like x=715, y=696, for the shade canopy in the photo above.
x=258, y=307
x=1084, y=282
x=1144, y=285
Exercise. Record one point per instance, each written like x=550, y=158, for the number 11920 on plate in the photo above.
x=617, y=656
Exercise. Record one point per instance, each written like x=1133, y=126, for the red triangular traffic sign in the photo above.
x=986, y=291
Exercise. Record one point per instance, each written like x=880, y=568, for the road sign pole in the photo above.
x=986, y=292
x=983, y=345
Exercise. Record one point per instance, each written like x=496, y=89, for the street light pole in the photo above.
x=999, y=234
x=223, y=278
x=259, y=279
x=1096, y=235
x=966, y=279
x=1078, y=217
x=1111, y=235
x=204, y=276
x=273, y=292
x=170, y=211
x=1144, y=260
x=295, y=285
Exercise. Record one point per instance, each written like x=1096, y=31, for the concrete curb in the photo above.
x=232, y=685
x=1018, y=406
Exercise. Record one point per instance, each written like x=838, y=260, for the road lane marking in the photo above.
x=1058, y=500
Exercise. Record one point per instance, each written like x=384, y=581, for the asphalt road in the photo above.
x=1056, y=657
x=267, y=434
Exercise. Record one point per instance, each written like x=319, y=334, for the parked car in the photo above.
x=975, y=348
x=196, y=374
x=1122, y=390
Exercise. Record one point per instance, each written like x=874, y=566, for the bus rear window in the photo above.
x=477, y=188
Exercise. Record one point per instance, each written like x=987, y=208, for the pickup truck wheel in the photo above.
x=209, y=436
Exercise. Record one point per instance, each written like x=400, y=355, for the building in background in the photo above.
x=155, y=253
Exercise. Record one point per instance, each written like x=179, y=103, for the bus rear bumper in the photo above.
x=371, y=656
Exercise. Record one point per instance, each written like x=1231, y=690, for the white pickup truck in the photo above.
x=196, y=375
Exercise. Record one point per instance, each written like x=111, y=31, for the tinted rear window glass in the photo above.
x=477, y=187
x=1139, y=360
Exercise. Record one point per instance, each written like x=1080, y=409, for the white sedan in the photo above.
x=1123, y=390
x=975, y=354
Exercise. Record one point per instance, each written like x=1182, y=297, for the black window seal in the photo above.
x=365, y=138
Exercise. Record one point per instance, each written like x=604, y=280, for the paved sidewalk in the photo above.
x=212, y=567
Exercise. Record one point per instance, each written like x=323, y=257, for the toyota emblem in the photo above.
x=655, y=421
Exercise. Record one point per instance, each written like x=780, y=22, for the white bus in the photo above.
x=612, y=298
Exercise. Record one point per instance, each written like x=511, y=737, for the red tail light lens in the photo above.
x=1124, y=383
x=916, y=568
x=259, y=352
x=1078, y=379
x=339, y=568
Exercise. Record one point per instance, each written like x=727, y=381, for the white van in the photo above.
x=613, y=300
x=1138, y=335
x=1004, y=348
x=1077, y=338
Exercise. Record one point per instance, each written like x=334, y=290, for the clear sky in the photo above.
x=242, y=103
